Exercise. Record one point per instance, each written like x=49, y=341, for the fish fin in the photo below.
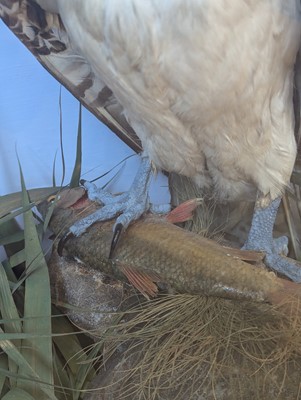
x=183, y=212
x=142, y=281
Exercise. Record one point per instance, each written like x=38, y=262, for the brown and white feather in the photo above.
x=44, y=34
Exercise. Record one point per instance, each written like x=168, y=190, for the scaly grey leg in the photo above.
x=260, y=238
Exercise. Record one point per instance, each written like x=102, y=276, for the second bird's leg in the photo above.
x=260, y=238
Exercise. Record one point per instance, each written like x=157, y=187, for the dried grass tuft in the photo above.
x=185, y=347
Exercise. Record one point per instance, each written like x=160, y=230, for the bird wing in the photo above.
x=43, y=33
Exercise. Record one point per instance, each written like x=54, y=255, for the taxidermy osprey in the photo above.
x=206, y=85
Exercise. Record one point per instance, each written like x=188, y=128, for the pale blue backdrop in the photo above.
x=29, y=127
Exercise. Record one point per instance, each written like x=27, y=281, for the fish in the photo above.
x=154, y=250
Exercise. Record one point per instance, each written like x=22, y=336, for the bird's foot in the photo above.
x=127, y=207
x=260, y=239
x=276, y=251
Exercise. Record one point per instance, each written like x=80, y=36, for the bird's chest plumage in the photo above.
x=206, y=84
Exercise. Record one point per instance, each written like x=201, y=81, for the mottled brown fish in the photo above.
x=154, y=250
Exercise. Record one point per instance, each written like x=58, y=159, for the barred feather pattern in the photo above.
x=44, y=34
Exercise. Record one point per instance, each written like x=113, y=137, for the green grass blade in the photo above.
x=12, y=238
x=11, y=215
x=17, y=258
x=18, y=394
x=62, y=378
x=53, y=170
x=61, y=138
x=9, y=239
x=68, y=345
x=3, y=377
x=78, y=160
x=87, y=371
x=37, y=308
x=13, y=201
x=29, y=373
x=10, y=232
x=9, y=272
x=9, y=313
x=111, y=169
x=49, y=215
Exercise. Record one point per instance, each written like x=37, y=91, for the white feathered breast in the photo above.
x=206, y=84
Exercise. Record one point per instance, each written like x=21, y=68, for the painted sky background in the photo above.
x=29, y=127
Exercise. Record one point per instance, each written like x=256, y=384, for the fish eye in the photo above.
x=52, y=198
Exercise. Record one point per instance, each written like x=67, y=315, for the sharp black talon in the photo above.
x=62, y=242
x=116, y=236
x=82, y=181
